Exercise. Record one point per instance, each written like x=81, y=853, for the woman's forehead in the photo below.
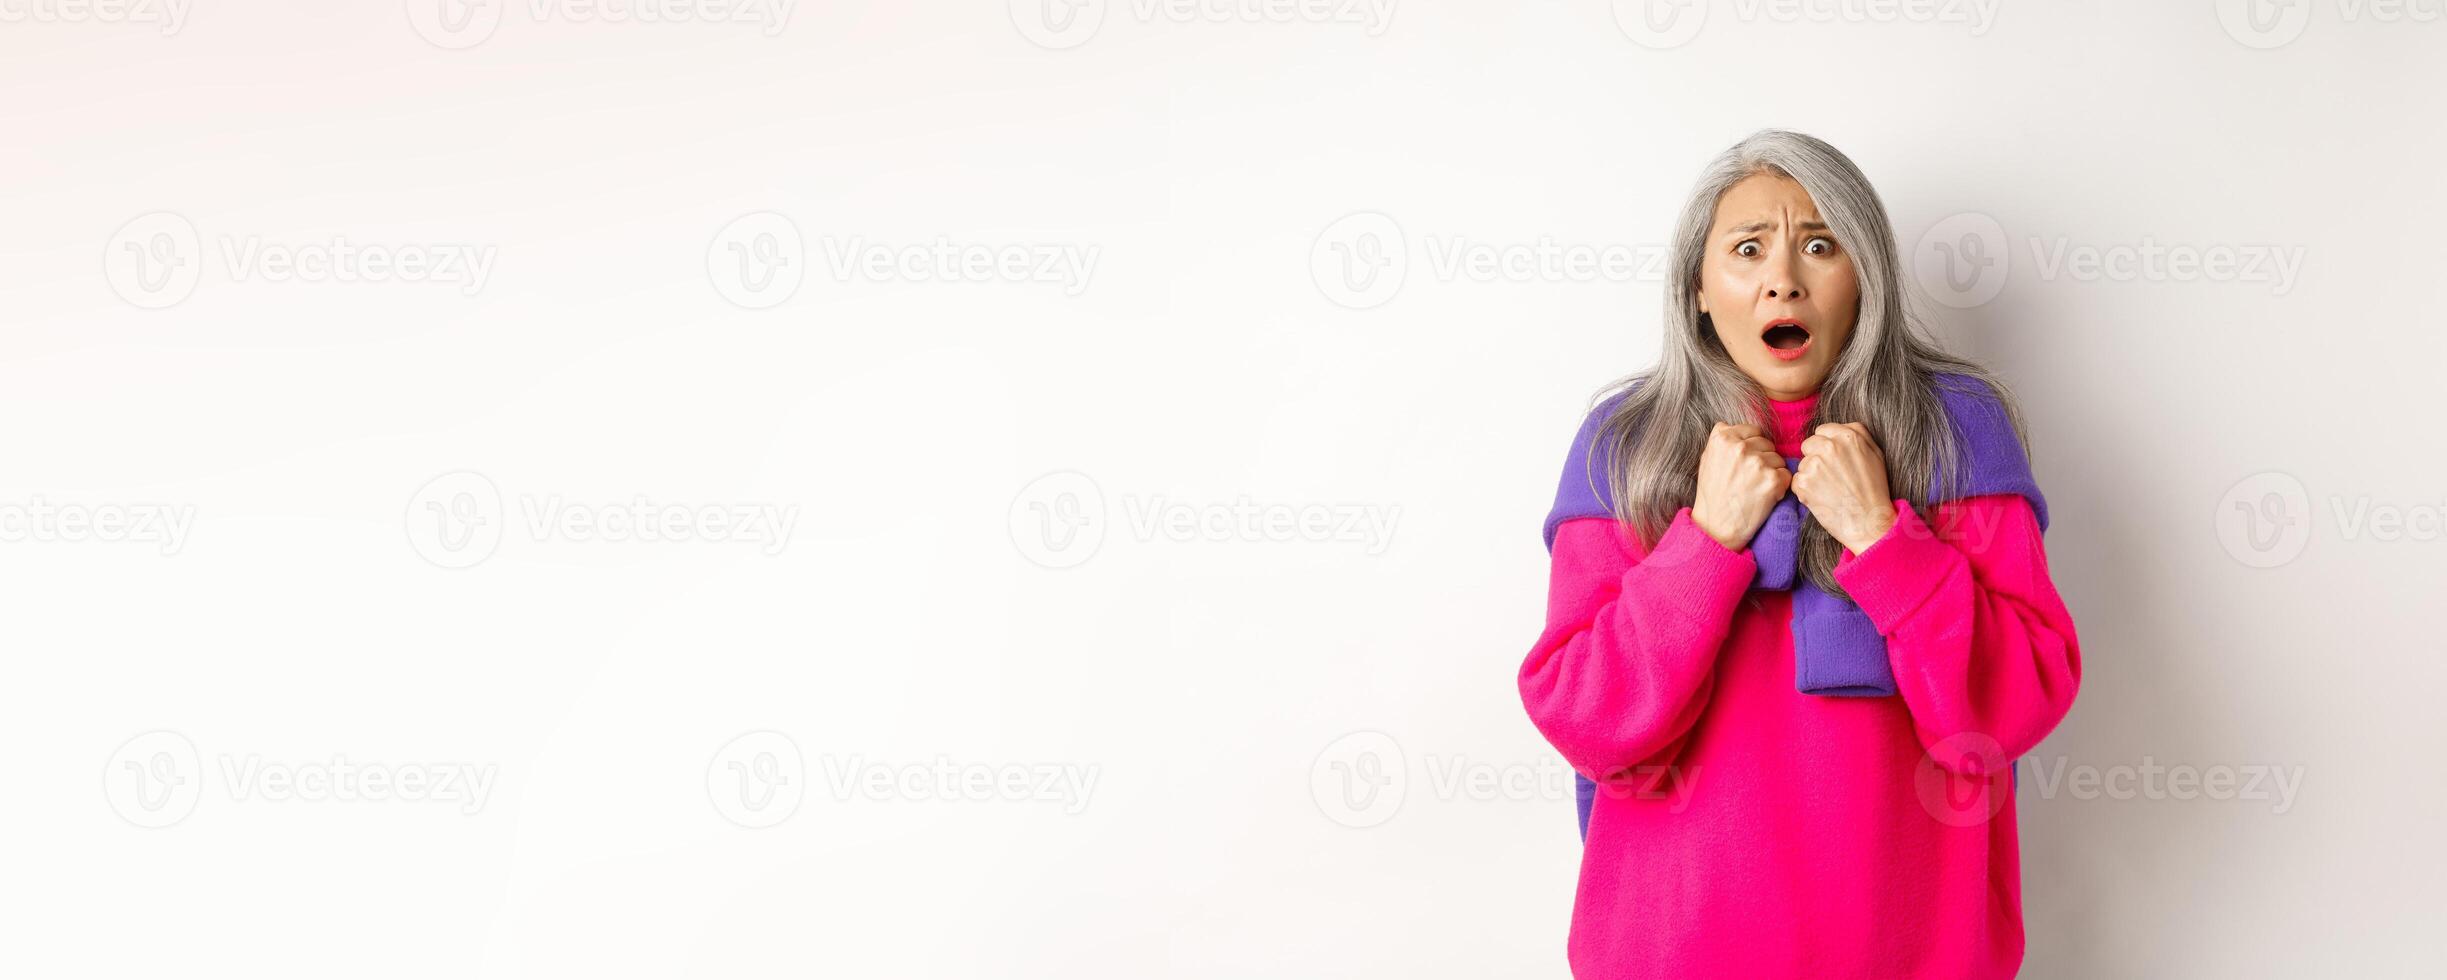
x=1764, y=202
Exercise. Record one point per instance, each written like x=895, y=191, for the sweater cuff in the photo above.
x=1714, y=575
x=1899, y=571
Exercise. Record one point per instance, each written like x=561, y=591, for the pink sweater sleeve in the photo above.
x=1983, y=649
x=1627, y=660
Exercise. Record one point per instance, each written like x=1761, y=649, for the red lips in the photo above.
x=1786, y=338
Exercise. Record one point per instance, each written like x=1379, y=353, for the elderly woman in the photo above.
x=1800, y=622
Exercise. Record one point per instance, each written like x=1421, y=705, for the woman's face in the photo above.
x=1778, y=288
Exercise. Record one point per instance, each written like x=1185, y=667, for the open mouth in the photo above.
x=1786, y=338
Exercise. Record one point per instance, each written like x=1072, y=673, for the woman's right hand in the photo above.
x=1741, y=477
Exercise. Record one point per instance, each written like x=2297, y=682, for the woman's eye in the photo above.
x=1821, y=246
x=1747, y=249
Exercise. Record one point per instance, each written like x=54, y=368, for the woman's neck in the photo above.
x=1791, y=417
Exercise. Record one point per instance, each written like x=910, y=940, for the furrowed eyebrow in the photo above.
x=1755, y=227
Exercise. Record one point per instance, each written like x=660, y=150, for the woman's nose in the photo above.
x=1782, y=283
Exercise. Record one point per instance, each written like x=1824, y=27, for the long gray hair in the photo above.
x=1884, y=378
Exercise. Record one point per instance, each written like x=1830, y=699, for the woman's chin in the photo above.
x=1798, y=375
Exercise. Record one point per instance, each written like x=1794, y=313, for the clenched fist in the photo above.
x=1842, y=480
x=1741, y=477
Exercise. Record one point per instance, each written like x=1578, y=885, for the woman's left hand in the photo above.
x=1842, y=480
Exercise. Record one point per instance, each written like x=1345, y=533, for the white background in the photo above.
x=937, y=605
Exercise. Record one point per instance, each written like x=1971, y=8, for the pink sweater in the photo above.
x=1745, y=829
